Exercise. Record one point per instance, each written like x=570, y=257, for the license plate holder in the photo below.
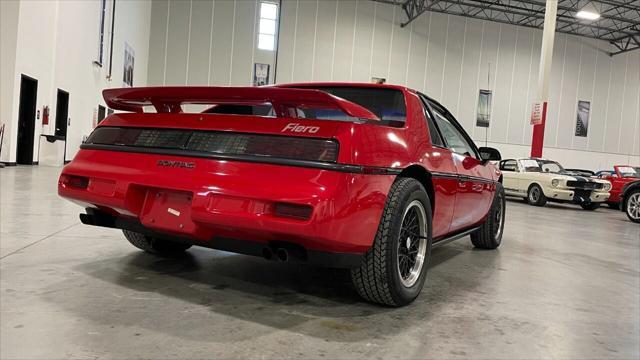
x=168, y=210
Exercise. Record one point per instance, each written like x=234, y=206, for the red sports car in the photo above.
x=620, y=176
x=361, y=176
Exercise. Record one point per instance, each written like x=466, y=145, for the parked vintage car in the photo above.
x=539, y=180
x=361, y=176
x=620, y=176
x=630, y=200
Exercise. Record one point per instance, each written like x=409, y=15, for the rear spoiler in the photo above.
x=170, y=99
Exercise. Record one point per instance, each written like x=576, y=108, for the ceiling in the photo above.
x=618, y=24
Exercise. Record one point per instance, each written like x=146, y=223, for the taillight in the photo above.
x=78, y=182
x=220, y=142
x=296, y=211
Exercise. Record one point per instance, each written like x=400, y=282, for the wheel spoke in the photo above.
x=412, y=244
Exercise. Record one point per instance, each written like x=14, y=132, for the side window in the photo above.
x=509, y=165
x=456, y=141
x=434, y=133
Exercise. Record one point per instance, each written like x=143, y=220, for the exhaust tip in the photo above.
x=283, y=254
x=267, y=253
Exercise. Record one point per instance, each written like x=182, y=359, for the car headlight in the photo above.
x=606, y=187
x=555, y=182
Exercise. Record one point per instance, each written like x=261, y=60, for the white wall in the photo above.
x=450, y=58
x=205, y=42
x=9, y=13
x=57, y=42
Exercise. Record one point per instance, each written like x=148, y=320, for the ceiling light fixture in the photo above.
x=588, y=12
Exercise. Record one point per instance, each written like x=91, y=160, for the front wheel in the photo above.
x=535, y=196
x=489, y=236
x=632, y=206
x=394, y=269
x=590, y=206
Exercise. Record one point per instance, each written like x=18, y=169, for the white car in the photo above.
x=539, y=181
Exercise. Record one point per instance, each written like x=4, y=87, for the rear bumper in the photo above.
x=296, y=252
x=232, y=200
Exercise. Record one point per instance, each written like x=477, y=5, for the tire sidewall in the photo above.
x=404, y=294
x=500, y=201
x=626, y=206
x=540, y=197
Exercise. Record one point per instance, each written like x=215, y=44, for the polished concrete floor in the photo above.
x=564, y=284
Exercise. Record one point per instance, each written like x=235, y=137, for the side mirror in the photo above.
x=489, y=154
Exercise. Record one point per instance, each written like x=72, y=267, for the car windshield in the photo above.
x=628, y=172
x=537, y=165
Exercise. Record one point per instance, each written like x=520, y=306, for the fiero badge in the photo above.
x=176, y=164
x=297, y=128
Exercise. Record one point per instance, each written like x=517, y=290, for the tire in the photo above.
x=535, y=196
x=380, y=278
x=155, y=245
x=489, y=236
x=590, y=206
x=632, y=206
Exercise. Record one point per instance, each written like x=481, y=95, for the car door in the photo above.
x=510, y=177
x=475, y=189
x=439, y=160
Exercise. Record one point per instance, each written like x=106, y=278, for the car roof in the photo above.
x=347, y=84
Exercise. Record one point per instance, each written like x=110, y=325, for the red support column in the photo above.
x=537, y=140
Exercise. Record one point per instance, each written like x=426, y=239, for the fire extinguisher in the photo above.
x=45, y=115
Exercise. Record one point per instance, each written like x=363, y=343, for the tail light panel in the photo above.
x=294, y=211
x=73, y=181
x=219, y=142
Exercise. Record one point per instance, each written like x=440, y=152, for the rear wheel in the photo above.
x=394, y=269
x=155, y=245
x=535, y=196
x=590, y=206
x=632, y=206
x=489, y=236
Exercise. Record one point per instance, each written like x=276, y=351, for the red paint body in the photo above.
x=236, y=199
x=617, y=182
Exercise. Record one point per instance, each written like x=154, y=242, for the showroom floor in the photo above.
x=565, y=284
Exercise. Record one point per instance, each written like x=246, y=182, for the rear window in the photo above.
x=387, y=104
x=241, y=109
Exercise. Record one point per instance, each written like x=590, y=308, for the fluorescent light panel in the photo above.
x=588, y=12
x=587, y=15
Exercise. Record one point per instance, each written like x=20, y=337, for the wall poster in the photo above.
x=260, y=74
x=536, y=113
x=484, y=108
x=582, y=119
x=129, y=59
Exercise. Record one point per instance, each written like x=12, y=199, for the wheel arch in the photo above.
x=421, y=174
x=626, y=191
x=535, y=183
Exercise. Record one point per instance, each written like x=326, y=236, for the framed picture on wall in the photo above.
x=260, y=74
x=582, y=118
x=129, y=59
x=483, y=116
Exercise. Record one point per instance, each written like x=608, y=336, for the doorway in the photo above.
x=62, y=114
x=26, y=120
